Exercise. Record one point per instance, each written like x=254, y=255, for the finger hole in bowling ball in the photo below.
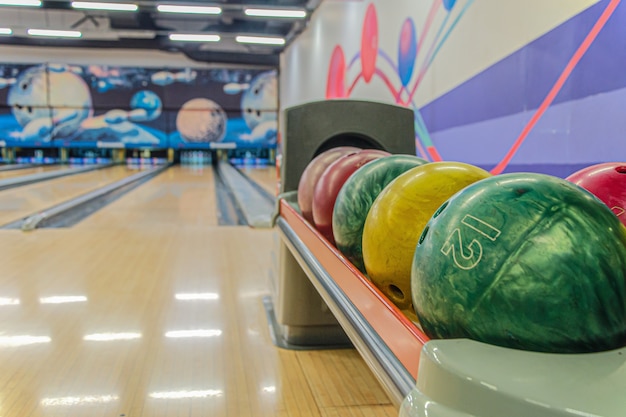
x=396, y=293
x=423, y=235
x=621, y=169
x=440, y=209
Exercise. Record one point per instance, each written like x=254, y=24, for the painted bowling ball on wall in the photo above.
x=396, y=220
x=148, y=101
x=526, y=261
x=260, y=101
x=330, y=183
x=40, y=94
x=357, y=196
x=607, y=182
x=201, y=120
x=312, y=174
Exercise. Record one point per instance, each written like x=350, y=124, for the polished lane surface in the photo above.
x=264, y=176
x=159, y=318
x=30, y=171
x=182, y=196
x=19, y=202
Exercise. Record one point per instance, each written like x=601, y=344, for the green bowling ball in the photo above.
x=526, y=261
x=356, y=198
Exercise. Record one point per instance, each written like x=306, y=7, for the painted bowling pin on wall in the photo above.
x=369, y=43
x=407, y=51
x=336, y=79
x=403, y=81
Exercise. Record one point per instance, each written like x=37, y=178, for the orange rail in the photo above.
x=403, y=338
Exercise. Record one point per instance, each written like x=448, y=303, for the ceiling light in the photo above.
x=296, y=14
x=31, y=3
x=123, y=7
x=194, y=38
x=198, y=296
x=170, y=8
x=260, y=40
x=55, y=33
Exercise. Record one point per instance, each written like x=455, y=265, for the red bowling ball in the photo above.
x=330, y=183
x=606, y=181
x=312, y=174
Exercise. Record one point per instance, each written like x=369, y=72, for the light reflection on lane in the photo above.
x=61, y=299
x=197, y=296
x=7, y=301
x=193, y=333
x=177, y=395
x=78, y=400
x=106, y=337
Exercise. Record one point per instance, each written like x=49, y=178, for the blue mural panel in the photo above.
x=24, y=111
x=61, y=105
x=225, y=109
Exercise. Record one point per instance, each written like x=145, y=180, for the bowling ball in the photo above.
x=357, y=196
x=330, y=183
x=526, y=261
x=396, y=220
x=607, y=182
x=311, y=175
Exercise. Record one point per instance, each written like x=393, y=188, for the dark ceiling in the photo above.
x=148, y=28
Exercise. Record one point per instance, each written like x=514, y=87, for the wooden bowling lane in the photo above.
x=264, y=176
x=159, y=318
x=182, y=196
x=158, y=322
x=16, y=203
x=31, y=171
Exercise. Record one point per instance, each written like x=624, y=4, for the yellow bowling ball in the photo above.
x=398, y=217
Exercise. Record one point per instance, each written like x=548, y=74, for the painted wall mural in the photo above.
x=59, y=105
x=545, y=95
x=402, y=64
